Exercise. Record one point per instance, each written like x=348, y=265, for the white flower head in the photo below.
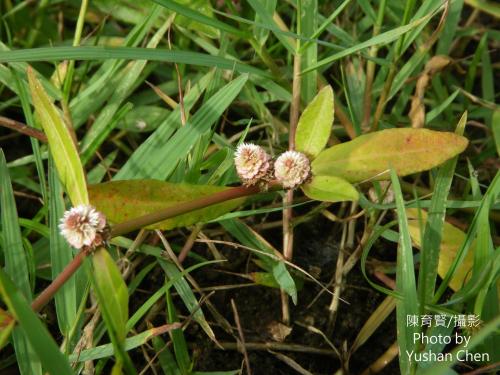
x=252, y=163
x=83, y=226
x=292, y=168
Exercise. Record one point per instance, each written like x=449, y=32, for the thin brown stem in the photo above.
x=47, y=294
x=242, y=337
x=233, y=193
x=23, y=128
x=287, y=213
x=155, y=217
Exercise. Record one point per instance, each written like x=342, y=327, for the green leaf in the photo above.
x=53, y=361
x=156, y=158
x=434, y=226
x=178, y=340
x=384, y=38
x=315, y=124
x=330, y=189
x=111, y=291
x=201, y=9
x=61, y=144
x=202, y=15
x=267, y=17
x=405, y=283
x=452, y=239
x=187, y=295
x=112, y=295
x=104, y=123
x=270, y=257
x=127, y=53
x=60, y=255
x=370, y=156
x=125, y=200
x=16, y=266
x=496, y=129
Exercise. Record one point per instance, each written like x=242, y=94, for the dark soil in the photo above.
x=258, y=307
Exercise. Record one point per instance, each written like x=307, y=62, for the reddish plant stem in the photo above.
x=23, y=128
x=119, y=229
x=47, y=294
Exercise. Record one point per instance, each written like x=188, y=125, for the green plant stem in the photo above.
x=370, y=68
x=294, y=119
x=382, y=102
x=76, y=42
x=119, y=229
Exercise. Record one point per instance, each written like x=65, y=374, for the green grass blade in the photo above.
x=267, y=17
x=187, y=295
x=107, y=350
x=157, y=159
x=199, y=17
x=60, y=255
x=450, y=27
x=405, y=284
x=33, y=330
x=127, y=53
x=489, y=329
x=112, y=294
x=12, y=244
x=151, y=150
x=309, y=55
x=384, y=38
x=178, y=340
x=247, y=237
x=16, y=266
x=103, y=125
x=434, y=226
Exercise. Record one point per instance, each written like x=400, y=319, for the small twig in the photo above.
x=47, y=294
x=189, y=244
x=242, y=337
x=279, y=346
x=23, y=128
x=294, y=119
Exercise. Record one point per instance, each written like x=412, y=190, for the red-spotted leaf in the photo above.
x=315, y=124
x=330, y=189
x=370, y=156
x=125, y=200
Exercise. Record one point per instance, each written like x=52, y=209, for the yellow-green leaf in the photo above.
x=128, y=199
x=370, y=156
x=330, y=189
x=111, y=292
x=452, y=239
x=315, y=124
x=61, y=144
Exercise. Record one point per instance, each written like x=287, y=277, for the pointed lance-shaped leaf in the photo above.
x=126, y=200
x=370, y=156
x=315, y=124
x=62, y=147
x=330, y=189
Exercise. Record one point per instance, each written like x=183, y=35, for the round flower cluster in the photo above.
x=254, y=165
x=83, y=226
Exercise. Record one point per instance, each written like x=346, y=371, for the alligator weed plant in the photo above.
x=154, y=186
